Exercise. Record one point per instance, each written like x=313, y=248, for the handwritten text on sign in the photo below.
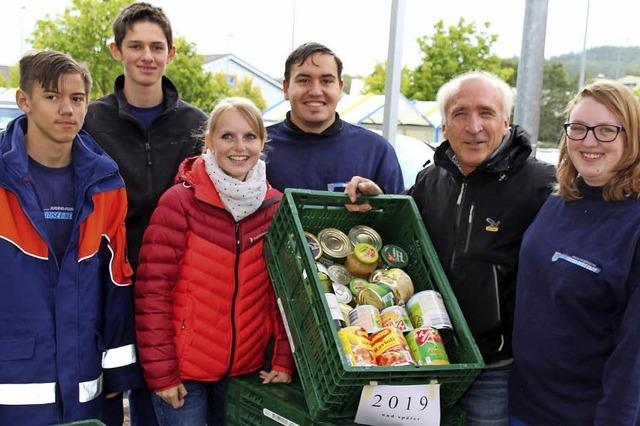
x=400, y=405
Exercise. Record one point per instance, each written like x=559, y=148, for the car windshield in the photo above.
x=8, y=114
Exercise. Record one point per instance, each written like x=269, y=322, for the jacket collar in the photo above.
x=90, y=163
x=170, y=95
x=510, y=155
x=334, y=129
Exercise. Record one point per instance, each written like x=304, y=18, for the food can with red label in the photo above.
x=396, y=316
x=367, y=317
x=391, y=348
x=426, y=346
x=356, y=346
x=426, y=308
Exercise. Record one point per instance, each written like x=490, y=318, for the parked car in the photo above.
x=8, y=108
x=8, y=111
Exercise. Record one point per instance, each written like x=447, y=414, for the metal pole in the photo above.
x=583, y=62
x=531, y=69
x=394, y=71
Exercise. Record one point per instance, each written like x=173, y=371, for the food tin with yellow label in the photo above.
x=335, y=246
x=376, y=294
x=396, y=316
x=365, y=234
x=426, y=346
x=357, y=347
x=361, y=262
x=391, y=348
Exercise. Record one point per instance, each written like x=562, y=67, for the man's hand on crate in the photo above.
x=274, y=376
x=173, y=396
x=359, y=185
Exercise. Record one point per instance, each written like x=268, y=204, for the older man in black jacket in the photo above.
x=476, y=201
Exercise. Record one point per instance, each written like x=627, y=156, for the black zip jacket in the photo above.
x=148, y=159
x=476, y=223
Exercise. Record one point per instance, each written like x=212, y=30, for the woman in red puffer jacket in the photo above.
x=205, y=308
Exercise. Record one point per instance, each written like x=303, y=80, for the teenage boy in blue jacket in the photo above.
x=67, y=339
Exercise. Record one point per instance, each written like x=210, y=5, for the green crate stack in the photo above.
x=250, y=403
x=331, y=386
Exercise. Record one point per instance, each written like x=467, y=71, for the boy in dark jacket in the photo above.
x=145, y=128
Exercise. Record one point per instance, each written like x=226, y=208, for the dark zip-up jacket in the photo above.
x=476, y=223
x=148, y=158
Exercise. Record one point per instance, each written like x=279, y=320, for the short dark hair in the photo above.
x=140, y=12
x=46, y=67
x=303, y=52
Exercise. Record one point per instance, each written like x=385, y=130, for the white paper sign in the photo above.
x=415, y=405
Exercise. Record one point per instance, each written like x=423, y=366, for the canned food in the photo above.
x=346, y=310
x=361, y=262
x=376, y=294
x=426, y=308
x=396, y=316
x=325, y=281
x=391, y=348
x=426, y=346
x=393, y=256
x=339, y=274
x=367, y=317
x=376, y=274
x=314, y=245
x=357, y=347
x=357, y=284
x=399, y=282
x=335, y=245
x=364, y=234
x=343, y=294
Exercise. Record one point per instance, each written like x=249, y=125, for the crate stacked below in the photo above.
x=250, y=403
x=331, y=385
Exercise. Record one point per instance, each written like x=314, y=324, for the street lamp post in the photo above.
x=583, y=62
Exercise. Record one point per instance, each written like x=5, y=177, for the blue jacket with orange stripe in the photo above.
x=67, y=335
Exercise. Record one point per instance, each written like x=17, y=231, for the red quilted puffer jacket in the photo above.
x=205, y=307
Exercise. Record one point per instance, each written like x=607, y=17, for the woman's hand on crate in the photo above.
x=359, y=185
x=274, y=376
x=173, y=396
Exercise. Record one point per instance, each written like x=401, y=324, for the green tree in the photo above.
x=375, y=82
x=557, y=89
x=83, y=30
x=13, y=79
x=511, y=63
x=247, y=89
x=451, y=51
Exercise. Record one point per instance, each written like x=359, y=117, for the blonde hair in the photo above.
x=246, y=108
x=625, y=182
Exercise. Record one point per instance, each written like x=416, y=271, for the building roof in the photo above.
x=360, y=109
x=208, y=59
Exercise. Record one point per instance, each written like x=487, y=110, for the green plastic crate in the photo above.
x=331, y=386
x=250, y=403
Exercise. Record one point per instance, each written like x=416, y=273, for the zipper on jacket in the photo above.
x=233, y=301
x=147, y=153
x=469, y=226
x=459, y=204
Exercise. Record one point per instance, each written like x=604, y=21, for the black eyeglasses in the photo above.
x=602, y=132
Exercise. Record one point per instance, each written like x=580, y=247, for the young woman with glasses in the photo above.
x=576, y=337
